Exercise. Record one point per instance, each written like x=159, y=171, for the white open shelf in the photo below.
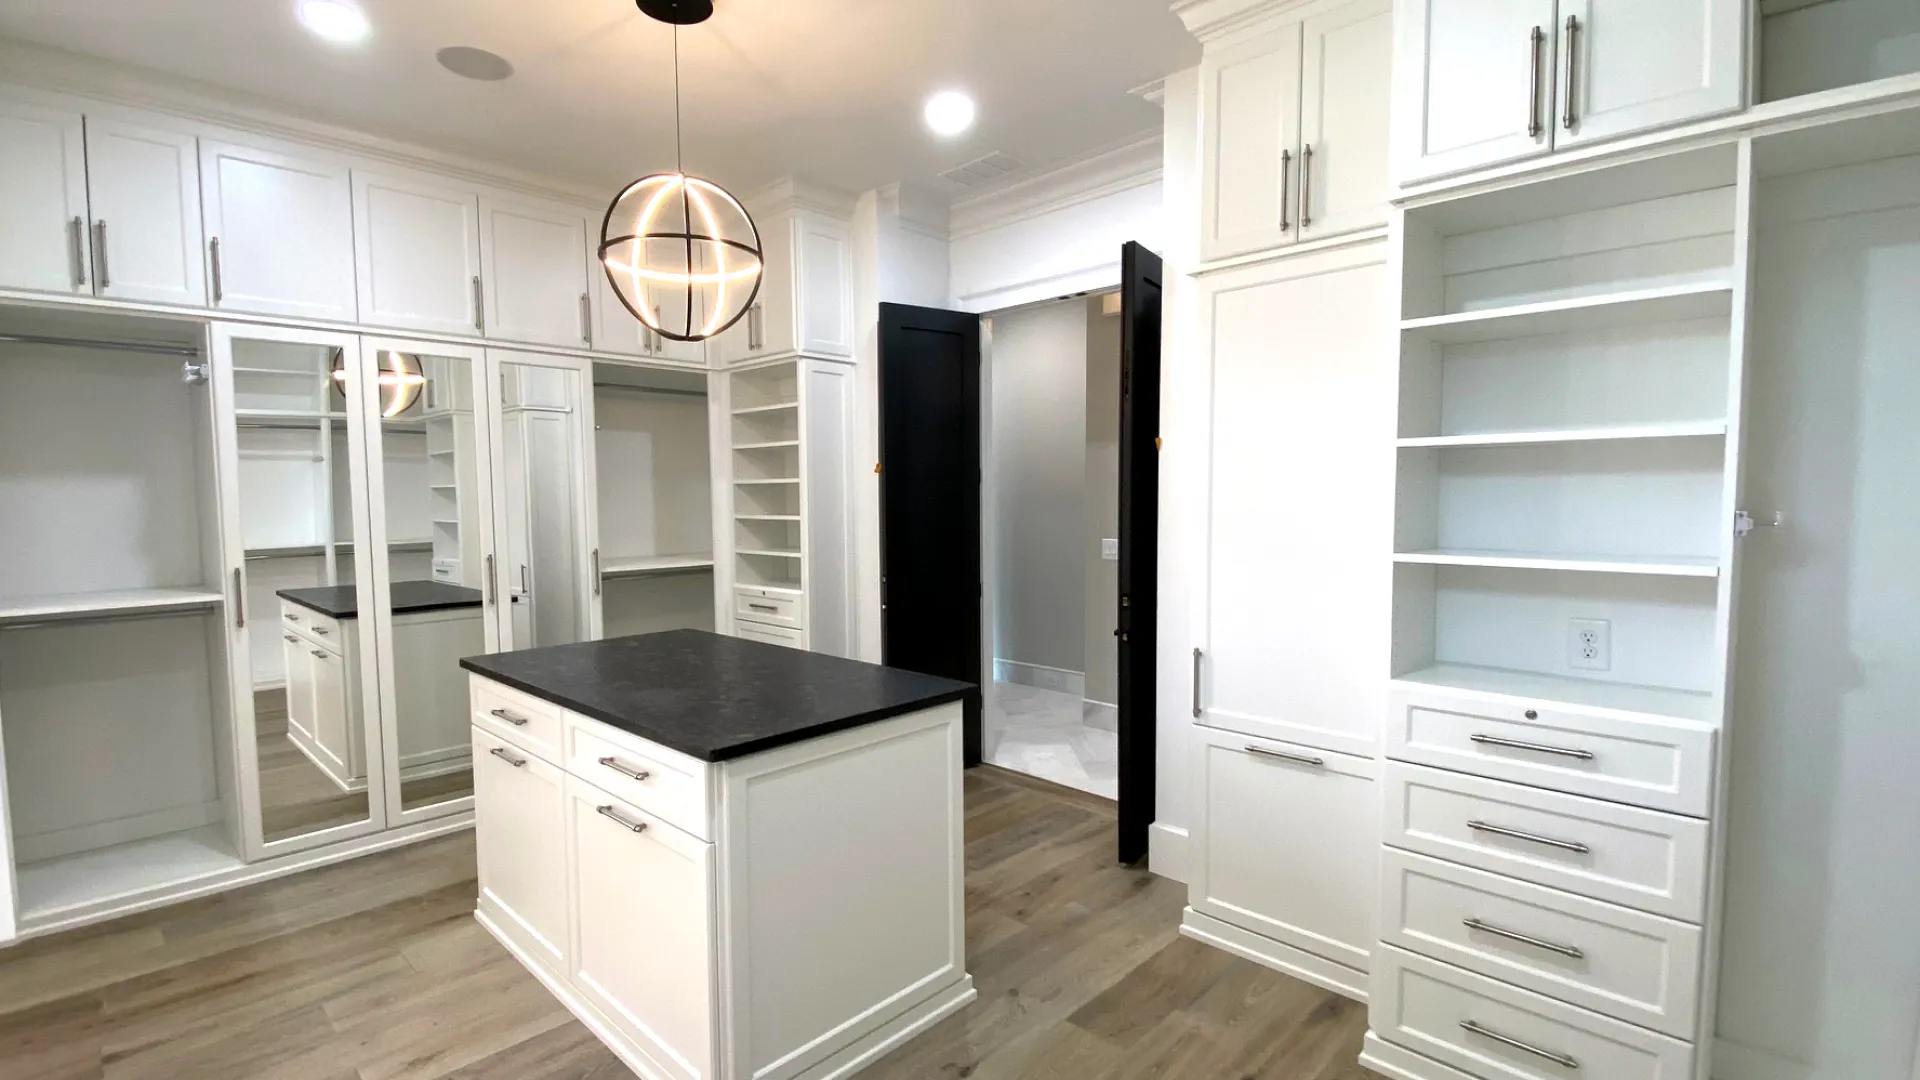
x=124, y=872
x=1681, y=430
x=769, y=553
x=107, y=604
x=1588, y=693
x=1659, y=566
x=781, y=444
x=619, y=566
x=766, y=517
x=780, y=406
x=1638, y=307
x=774, y=480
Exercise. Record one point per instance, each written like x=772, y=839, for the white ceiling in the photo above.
x=827, y=89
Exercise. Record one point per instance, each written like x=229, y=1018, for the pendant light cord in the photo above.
x=679, y=153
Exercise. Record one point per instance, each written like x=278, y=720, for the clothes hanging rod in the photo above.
x=153, y=347
x=649, y=390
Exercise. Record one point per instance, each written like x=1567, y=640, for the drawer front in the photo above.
x=322, y=630
x=525, y=721
x=778, y=607
x=1642, y=761
x=772, y=635
x=1498, y=1032
x=1627, y=964
x=669, y=785
x=1640, y=858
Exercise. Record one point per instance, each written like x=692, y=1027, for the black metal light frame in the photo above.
x=689, y=236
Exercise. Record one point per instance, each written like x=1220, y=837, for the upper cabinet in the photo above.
x=43, y=199
x=417, y=253
x=1497, y=81
x=805, y=301
x=279, y=231
x=1294, y=128
x=615, y=329
x=534, y=265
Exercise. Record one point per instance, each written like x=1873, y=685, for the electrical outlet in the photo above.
x=1590, y=644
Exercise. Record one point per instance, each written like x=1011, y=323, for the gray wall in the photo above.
x=1102, y=507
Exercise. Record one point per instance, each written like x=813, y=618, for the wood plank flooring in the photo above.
x=376, y=970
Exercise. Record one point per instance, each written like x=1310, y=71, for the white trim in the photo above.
x=1040, y=677
x=791, y=193
x=1135, y=162
x=1339, y=978
x=90, y=837
x=1167, y=852
x=1740, y=1062
x=1281, y=254
x=1399, y=1063
x=1100, y=277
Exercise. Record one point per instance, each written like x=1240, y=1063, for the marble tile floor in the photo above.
x=1053, y=736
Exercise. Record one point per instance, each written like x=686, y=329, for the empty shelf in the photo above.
x=766, y=517
x=620, y=566
x=780, y=444
x=775, y=480
x=767, y=552
x=1590, y=693
x=781, y=407
x=108, y=604
x=1656, y=565
x=1681, y=430
x=125, y=871
x=1642, y=307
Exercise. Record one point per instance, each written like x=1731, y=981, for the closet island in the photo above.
x=729, y=859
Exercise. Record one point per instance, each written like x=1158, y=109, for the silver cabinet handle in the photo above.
x=291, y=618
x=77, y=251
x=239, y=601
x=1286, y=185
x=213, y=264
x=655, y=342
x=756, y=327
x=1196, y=683
x=291, y=638
x=502, y=754
x=1571, y=116
x=596, y=571
x=321, y=653
x=768, y=608
x=1298, y=759
x=322, y=631
x=1568, y=951
x=586, y=319
x=1535, y=38
x=479, y=306
x=1306, y=187
x=1532, y=838
x=1537, y=748
x=100, y=253
x=493, y=587
x=512, y=718
x=1504, y=1040
x=626, y=770
x=635, y=826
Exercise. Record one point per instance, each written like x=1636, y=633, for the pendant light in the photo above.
x=400, y=378
x=681, y=252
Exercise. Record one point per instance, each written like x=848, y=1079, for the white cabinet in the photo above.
x=143, y=187
x=43, y=199
x=805, y=301
x=520, y=807
x=417, y=253
x=534, y=268
x=616, y=330
x=1294, y=130
x=279, y=231
x=1497, y=81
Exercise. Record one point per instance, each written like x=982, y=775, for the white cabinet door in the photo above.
x=520, y=807
x=330, y=720
x=617, y=330
x=1473, y=84
x=299, y=683
x=643, y=927
x=43, y=200
x=1250, y=143
x=1631, y=65
x=279, y=232
x=534, y=264
x=143, y=185
x=417, y=253
x=821, y=301
x=1346, y=70
x=1289, y=845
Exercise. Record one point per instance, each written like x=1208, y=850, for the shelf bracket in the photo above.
x=1743, y=523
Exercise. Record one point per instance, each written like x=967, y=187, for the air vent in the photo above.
x=981, y=172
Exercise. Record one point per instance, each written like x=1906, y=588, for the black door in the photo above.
x=930, y=497
x=1139, y=540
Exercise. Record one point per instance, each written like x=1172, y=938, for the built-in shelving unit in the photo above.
x=1601, y=311
x=1654, y=565
x=624, y=566
x=110, y=603
x=1677, y=430
x=764, y=435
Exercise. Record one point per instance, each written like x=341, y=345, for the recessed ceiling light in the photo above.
x=949, y=112
x=334, y=20
x=471, y=63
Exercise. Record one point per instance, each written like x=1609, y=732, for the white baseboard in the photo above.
x=1167, y=852
x=1040, y=677
x=1399, y=1063
x=1303, y=965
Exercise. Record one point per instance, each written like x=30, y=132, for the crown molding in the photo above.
x=1123, y=167
x=914, y=210
x=1154, y=92
x=791, y=193
x=1210, y=20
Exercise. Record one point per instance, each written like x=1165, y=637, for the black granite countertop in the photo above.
x=714, y=697
x=343, y=602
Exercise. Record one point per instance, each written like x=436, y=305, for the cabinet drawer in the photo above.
x=1501, y=1033
x=323, y=630
x=772, y=635
x=525, y=721
x=1640, y=760
x=1627, y=964
x=780, y=607
x=1641, y=858
x=669, y=785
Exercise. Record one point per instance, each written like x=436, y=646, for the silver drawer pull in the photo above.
x=1504, y=1040
x=508, y=758
x=1300, y=759
x=321, y=630
x=322, y=654
x=625, y=769
x=291, y=639
x=1525, y=939
x=764, y=607
x=511, y=718
x=607, y=812
x=291, y=618
x=1532, y=838
x=1537, y=748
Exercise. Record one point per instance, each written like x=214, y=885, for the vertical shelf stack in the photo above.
x=452, y=473
x=1570, y=381
x=763, y=430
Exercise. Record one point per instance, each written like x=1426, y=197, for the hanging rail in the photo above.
x=153, y=347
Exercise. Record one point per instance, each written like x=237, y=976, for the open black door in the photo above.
x=1139, y=540
x=930, y=589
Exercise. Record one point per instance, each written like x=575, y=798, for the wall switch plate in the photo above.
x=1110, y=550
x=1590, y=644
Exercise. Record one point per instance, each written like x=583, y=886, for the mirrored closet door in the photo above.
x=540, y=423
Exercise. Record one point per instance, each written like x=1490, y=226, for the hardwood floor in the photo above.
x=376, y=970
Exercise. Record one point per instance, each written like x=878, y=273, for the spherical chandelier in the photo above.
x=682, y=253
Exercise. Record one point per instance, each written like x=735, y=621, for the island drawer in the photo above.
x=322, y=630
x=772, y=635
x=779, y=607
x=665, y=783
x=523, y=720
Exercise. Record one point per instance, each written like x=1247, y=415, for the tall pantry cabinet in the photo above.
x=1292, y=614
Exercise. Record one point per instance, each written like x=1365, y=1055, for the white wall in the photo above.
x=655, y=481
x=1100, y=518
